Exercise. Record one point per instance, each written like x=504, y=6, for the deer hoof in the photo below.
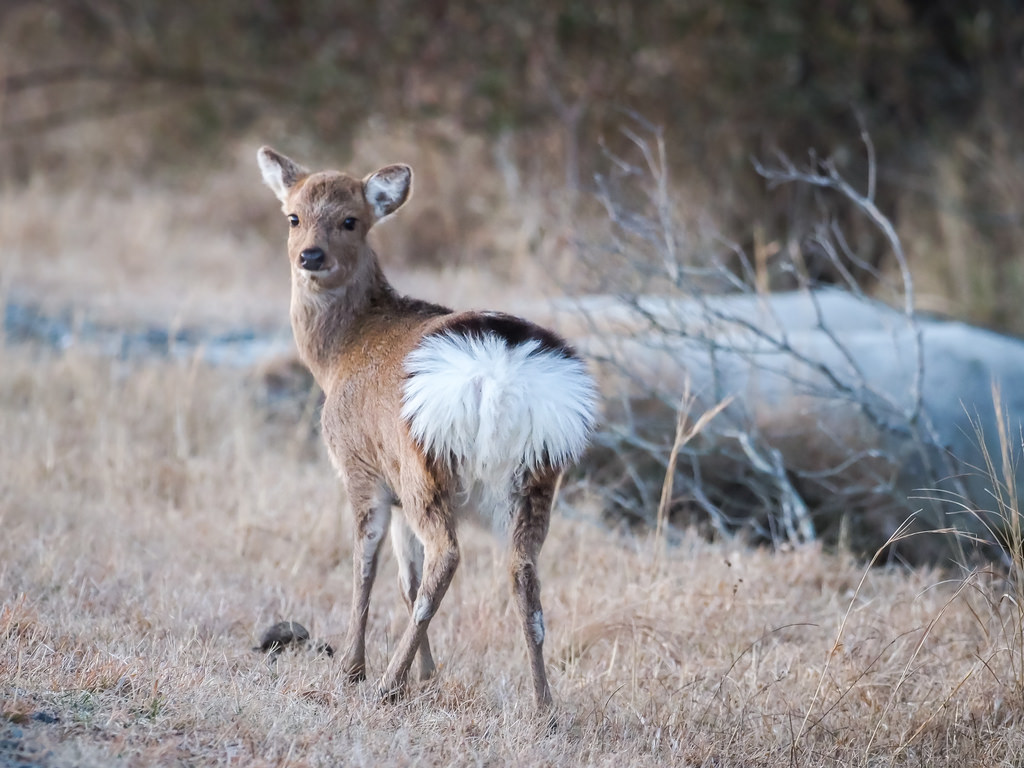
x=390, y=691
x=354, y=671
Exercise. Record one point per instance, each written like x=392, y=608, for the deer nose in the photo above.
x=312, y=259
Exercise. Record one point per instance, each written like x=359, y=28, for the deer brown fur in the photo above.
x=426, y=411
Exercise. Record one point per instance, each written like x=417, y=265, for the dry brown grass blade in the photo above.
x=838, y=642
x=685, y=432
x=925, y=635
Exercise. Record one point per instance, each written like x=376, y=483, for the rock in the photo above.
x=287, y=633
x=839, y=405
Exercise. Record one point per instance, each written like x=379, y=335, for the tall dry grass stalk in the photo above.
x=686, y=430
x=1000, y=516
x=155, y=519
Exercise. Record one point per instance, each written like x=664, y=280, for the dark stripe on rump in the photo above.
x=514, y=330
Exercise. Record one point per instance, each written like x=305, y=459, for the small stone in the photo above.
x=289, y=633
x=282, y=634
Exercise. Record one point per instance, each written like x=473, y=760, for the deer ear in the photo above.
x=280, y=173
x=386, y=189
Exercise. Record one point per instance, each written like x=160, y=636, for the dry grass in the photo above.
x=155, y=520
x=205, y=246
x=155, y=252
x=156, y=517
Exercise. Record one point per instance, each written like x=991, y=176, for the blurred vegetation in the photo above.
x=937, y=83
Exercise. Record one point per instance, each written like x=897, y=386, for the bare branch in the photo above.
x=801, y=354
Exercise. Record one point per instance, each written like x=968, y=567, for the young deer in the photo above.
x=427, y=410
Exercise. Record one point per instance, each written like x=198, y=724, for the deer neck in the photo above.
x=324, y=321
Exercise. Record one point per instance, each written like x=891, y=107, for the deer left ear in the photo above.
x=387, y=189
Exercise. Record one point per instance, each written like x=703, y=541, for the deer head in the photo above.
x=329, y=215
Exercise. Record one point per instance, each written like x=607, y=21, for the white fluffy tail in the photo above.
x=495, y=408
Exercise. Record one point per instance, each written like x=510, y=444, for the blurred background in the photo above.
x=128, y=129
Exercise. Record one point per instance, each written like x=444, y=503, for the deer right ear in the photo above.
x=387, y=189
x=280, y=173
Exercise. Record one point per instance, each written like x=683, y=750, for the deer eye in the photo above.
x=349, y=223
x=293, y=220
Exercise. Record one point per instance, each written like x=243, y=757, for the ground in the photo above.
x=158, y=516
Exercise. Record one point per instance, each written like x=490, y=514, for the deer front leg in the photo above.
x=409, y=553
x=529, y=529
x=371, y=506
x=435, y=528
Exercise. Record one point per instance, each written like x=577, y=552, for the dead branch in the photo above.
x=706, y=315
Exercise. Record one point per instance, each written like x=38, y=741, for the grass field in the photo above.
x=157, y=516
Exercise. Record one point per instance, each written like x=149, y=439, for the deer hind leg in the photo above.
x=409, y=553
x=529, y=529
x=434, y=525
x=371, y=507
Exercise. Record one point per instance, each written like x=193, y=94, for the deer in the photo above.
x=429, y=415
